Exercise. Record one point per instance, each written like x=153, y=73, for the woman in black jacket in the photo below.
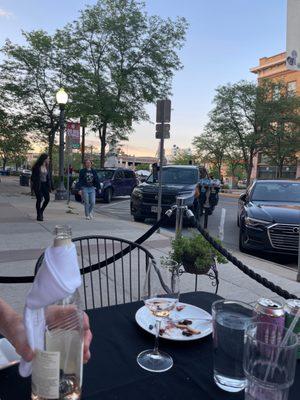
x=40, y=181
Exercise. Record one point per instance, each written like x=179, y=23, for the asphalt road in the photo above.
x=120, y=208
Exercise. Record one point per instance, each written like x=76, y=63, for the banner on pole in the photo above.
x=73, y=134
x=293, y=35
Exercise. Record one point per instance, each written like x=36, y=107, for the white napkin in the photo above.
x=58, y=277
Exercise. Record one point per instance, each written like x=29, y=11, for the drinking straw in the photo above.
x=282, y=344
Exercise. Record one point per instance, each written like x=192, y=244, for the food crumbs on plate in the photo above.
x=162, y=331
x=187, y=333
x=151, y=327
x=185, y=322
x=179, y=308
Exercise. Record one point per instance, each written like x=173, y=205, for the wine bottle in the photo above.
x=57, y=370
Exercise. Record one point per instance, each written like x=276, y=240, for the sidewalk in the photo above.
x=23, y=239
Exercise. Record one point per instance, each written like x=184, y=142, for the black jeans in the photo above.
x=41, y=194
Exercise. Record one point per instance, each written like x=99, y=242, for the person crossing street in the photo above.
x=88, y=184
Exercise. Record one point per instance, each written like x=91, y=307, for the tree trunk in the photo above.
x=249, y=169
x=102, y=137
x=280, y=169
x=4, y=163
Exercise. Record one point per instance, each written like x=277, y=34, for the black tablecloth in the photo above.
x=113, y=374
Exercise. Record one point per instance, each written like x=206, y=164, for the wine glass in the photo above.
x=160, y=295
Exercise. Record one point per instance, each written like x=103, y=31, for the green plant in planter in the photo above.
x=195, y=254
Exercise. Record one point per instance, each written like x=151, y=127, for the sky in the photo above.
x=225, y=39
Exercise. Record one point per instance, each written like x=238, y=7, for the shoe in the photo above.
x=88, y=217
x=40, y=218
x=91, y=216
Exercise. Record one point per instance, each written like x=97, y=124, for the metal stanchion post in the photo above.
x=179, y=216
x=206, y=210
x=298, y=274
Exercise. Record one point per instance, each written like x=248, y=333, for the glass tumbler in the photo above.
x=230, y=319
x=269, y=367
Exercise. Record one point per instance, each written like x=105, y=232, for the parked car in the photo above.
x=176, y=180
x=113, y=182
x=269, y=216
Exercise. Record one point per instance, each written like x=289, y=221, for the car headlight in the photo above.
x=137, y=193
x=256, y=222
x=101, y=185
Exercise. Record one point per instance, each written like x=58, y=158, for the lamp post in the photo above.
x=62, y=99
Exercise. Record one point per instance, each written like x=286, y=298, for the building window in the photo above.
x=276, y=93
x=291, y=88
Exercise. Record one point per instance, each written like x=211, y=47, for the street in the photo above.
x=119, y=209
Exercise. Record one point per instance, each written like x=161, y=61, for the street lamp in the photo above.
x=62, y=99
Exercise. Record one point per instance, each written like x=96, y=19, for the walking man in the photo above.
x=88, y=184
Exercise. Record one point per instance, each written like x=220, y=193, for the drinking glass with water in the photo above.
x=230, y=320
x=269, y=364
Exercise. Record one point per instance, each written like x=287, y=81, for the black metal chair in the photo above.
x=113, y=270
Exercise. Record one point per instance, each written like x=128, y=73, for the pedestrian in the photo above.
x=40, y=180
x=88, y=184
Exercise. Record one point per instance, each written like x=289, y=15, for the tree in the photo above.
x=211, y=146
x=282, y=140
x=13, y=142
x=30, y=75
x=234, y=163
x=244, y=113
x=119, y=60
x=183, y=157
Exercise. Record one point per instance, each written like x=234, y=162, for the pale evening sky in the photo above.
x=225, y=38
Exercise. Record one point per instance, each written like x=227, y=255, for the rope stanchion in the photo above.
x=246, y=270
x=94, y=267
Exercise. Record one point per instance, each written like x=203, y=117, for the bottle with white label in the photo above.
x=57, y=371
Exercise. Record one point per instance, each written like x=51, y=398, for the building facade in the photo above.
x=274, y=68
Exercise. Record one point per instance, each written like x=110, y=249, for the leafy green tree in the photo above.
x=234, y=163
x=211, y=147
x=245, y=113
x=30, y=75
x=13, y=142
x=141, y=167
x=119, y=60
x=183, y=157
x=282, y=140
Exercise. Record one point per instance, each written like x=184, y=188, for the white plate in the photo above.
x=8, y=355
x=199, y=319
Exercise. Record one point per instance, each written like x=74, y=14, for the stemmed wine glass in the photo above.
x=160, y=295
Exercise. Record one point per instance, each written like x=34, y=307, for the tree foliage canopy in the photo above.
x=248, y=119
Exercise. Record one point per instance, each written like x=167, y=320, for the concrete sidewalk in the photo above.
x=23, y=239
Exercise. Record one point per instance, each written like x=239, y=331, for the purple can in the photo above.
x=271, y=312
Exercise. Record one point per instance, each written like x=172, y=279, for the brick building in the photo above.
x=274, y=68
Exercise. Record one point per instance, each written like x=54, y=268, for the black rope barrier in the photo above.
x=246, y=270
x=94, y=267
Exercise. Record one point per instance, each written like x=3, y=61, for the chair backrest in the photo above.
x=113, y=269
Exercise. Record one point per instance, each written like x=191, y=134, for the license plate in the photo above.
x=154, y=209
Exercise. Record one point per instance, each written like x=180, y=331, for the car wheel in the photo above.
x=107, y=195
x=139, y=219
x=242, y=242
x=78, y=197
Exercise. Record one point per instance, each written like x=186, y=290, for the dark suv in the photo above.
x=113, y=181
x=176, y=180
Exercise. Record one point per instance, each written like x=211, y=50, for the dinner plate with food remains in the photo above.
x=186, y=322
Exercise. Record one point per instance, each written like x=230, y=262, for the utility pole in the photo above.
x=163, y=117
